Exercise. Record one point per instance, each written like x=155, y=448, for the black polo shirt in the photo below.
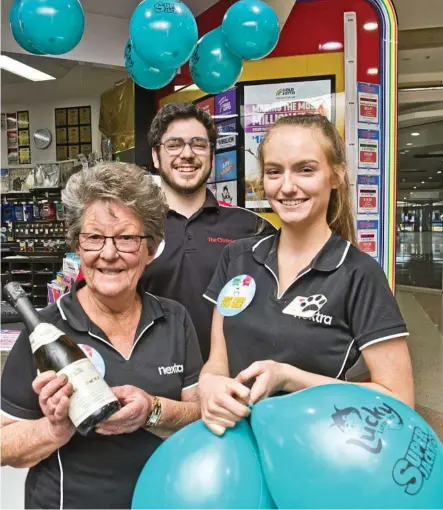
x=335, y=308
x=101, y=471
x=189, y=256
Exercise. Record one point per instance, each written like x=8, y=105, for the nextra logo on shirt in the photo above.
x=309, y=308
x=174, y=369
x=220, y=240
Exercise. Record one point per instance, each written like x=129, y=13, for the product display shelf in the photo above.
x=33, y=273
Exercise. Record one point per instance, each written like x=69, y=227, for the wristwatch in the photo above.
x=154, y=416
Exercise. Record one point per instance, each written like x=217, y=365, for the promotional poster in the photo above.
x=264, y=104
x=368, y=187
x=227, y=135
x=225, y=104
x=367, y=237
x=227, y=192
x=368, y=103
x=226, y=166
x=369, y=149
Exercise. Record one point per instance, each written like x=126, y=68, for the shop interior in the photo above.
x=38, y=158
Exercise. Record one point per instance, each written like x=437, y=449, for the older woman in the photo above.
x=145, y=347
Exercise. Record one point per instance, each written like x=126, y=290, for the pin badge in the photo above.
x=236, y=295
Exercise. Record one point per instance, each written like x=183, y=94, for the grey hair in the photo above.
x=117, y=182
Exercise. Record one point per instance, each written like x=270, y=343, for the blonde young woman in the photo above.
x=316, y=302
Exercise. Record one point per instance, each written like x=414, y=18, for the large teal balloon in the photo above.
x=213, y=67
x=251, y=29
x=144, y=74
x=52, y=26
x=17, y=32
x=345, y=446
x=196, y=469
x=163, y=33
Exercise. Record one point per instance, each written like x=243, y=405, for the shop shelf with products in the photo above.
x=37, y=224
x=32, y=272
x=64, y=278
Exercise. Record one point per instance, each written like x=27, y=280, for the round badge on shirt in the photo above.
x=236, y=295
x=95, y=357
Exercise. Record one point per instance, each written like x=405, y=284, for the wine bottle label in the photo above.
x=43, y=334
x=90, y=393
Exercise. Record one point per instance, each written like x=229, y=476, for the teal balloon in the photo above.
x=251, y=29
x=17, y=33
x=213, y=67
x=163, y=33
x=144, y=74
x=346, y=446
x=196, y=469
x=52, y=26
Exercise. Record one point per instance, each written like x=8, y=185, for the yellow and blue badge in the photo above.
x=236, y=295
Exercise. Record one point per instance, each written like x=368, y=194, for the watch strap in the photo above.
x=154, y=417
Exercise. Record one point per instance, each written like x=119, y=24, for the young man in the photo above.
x=182, y=138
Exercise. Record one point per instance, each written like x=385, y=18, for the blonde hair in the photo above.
x=340, y=215
x=118, y=182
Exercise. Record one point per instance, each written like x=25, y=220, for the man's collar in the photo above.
x=73, y=313
x=329, y=258
x=210, y=201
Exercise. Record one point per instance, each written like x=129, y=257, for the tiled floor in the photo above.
x=423, y=313
x=419, y=259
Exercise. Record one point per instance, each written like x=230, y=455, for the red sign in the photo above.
x=368, y=202
x=208, y=105
x=368, y=110
x=368, y=156
x=367, y=246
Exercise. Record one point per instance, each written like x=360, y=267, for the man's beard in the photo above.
x=179, y=189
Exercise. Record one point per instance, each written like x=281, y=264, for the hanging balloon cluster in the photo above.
x=163, y=36
x=50, y=27
x=249, y=31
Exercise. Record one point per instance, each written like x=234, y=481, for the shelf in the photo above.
x=53, y=188
x=11, y=193
x=33, y=222
x=33, y=236
x=33, y=192
x=34, y=259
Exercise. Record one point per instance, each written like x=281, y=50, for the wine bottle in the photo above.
x=92, y=401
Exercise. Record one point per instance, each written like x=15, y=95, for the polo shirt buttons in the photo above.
x=189, y=237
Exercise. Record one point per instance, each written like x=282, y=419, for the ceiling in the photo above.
x=74, y=80
x=420, y=158
x=73, y=77
x=416, y=21
x=124, y=8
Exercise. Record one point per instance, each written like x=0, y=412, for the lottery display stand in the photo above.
x=334, y=57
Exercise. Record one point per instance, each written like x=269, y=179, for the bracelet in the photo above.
x=154, y=417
